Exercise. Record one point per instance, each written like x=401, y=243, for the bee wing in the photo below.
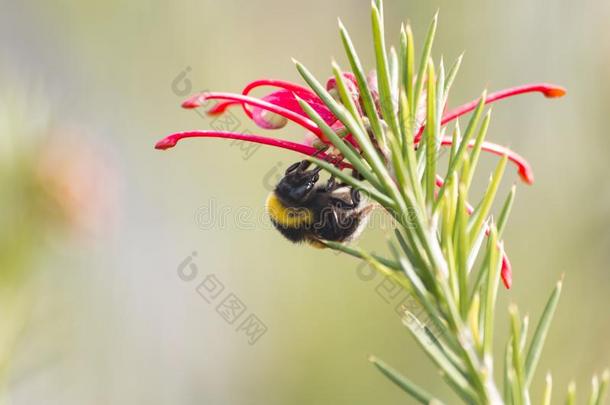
x=343, y=194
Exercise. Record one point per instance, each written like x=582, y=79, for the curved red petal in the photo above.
x=198, y=99
x=287, y=99
x=525, y=170
x=546, y=89
x=276, y=83
x=222, y=107
x=304, y=92
x=171, y=140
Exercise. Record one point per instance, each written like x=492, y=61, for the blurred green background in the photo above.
x=107, y=318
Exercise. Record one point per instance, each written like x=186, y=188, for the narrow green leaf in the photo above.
x=365, y=93
x=460, y=237
x=358, y=254
x=548, y=390
x=429, y=302
x=571, y=399
x=490, y=294
x=346, y=98
x=482, y=211
x=415, y=254
x=506, y=208
x=456, y=163
x=456, y=137
x=403, y=382
x=383, y=73
x=517, y=360
x=431, y=137
x=386, y=271
x=524, y=326
x=419, y=81
x=410, y=70
x=603, y=389
x=542, y=329
x=409, y=150
x=475, y=248
x=475, y=151
x=450, y=371
x=440, y=104
x=451, y=76
x=394, y=77
x=594, y=396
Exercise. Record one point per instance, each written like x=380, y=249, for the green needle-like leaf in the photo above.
x=571, y=399
x=491, y=290
x=358, y=254
x=603, y=388
x=451, y=372
x=383, y=74
x=346, y=98
x=542, y=329
x=519, y=382
x=482, y=211
x=431, y=137
x=594, y=396
x=365, y=92
x=506, y=208
x=409, y=57
x=548, y=390
x=403, y=382
x=451, y=76
x=456, y=163
x=462, y=241
x=409, y=150
x=475, y=151
x=419, y=81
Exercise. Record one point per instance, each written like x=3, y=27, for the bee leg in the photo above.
x=293, y=167
x=331, y=184
x=328, y=226
x=301, y=167
x=355, y=195
x=304, y=164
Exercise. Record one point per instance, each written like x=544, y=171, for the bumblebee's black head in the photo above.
x=297, y=185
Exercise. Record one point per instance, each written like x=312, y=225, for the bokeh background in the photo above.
x=97, y=225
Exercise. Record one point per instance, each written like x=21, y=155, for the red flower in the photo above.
x=277, y=108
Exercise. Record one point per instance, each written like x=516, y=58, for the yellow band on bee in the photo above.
x=287, y=216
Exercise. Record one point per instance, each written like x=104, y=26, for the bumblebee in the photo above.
x=304, y=211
